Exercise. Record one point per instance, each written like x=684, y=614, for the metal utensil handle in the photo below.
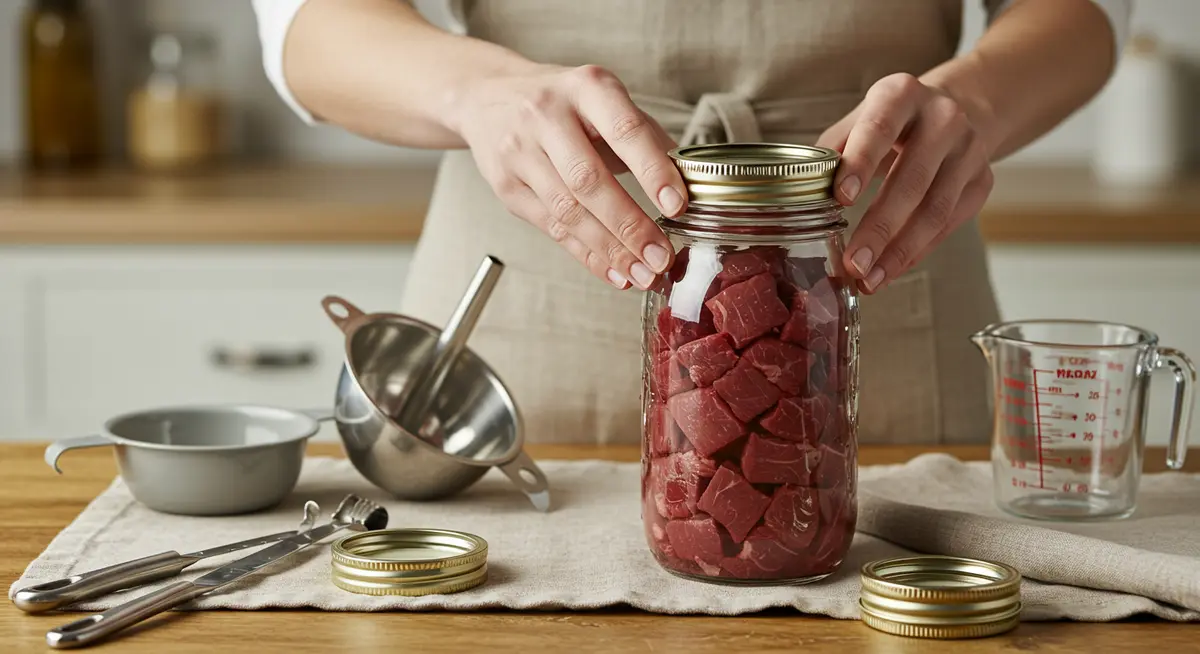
x=414, y=401
x=1181, y=419
x=530, y=479
x=340, y=311
x=97, y=626
x=56, y=449
x=61, y=592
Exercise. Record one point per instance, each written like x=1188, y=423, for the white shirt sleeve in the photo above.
x=274, y=20
x=1117, y=11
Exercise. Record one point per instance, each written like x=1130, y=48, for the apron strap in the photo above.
x=731, y=112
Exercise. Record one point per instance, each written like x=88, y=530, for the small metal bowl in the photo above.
x=205, y=460
x=475, y=424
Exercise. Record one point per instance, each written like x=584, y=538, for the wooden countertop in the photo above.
x=35, y=504
x=388, y=204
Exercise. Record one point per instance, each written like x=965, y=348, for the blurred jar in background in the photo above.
x=176, y=121
x=62, y=105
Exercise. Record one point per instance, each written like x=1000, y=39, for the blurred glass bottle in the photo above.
x=62, y=104
x=175, y=117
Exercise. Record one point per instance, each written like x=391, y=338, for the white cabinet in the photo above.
x=91, y=332
x=1155, y=288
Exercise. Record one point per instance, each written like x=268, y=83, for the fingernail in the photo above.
x=642, y=274
x=617, y=280
x=657, y=256
x=670, y=201
x=862, y=260
x=850, y=187
x=874, y=279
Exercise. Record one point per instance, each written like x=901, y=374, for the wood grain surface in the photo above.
x=35, y=504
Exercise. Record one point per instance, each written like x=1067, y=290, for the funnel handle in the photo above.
x=530, y=479
x=1181, y=417
x=340, y=311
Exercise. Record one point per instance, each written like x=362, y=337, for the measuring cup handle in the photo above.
x=1181, y=419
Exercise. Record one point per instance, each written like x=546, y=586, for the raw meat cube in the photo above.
x=839, y=512
x=664, y=435
x=733, y=502
x=793, y=515
x=815, y=332
x=742, y=265
x=783, y=364
x=670, y=378
x=697, y=539
x=763, y=556
x=677, y=481
x=705, y=419
x=677, y=331
x=679, y=268
x=771, y=461
x=748, y=309
x=799, y=419
x=708, y=358
x=805, y=271
x=747, y=392
x=835, y=468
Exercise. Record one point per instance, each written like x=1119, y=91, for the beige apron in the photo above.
x=568, y=345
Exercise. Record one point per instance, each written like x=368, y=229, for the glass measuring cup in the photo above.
x=1069, y=414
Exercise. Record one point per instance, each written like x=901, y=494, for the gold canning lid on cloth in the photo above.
x=410, y=562
x=940, y=597
x=756, y=174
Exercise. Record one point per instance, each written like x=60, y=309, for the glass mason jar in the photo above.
x=750, y=380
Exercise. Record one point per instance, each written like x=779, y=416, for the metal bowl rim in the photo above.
x=352, y=327
x=302, y=435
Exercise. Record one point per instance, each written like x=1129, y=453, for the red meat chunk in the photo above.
x=733, y=502
x=783, y=364
x=705, y=419
x=697, y=539
x=747, y=392
x=748, y=309
x=813, y=332
x=742, y=265
x=793, y=515
x=670, y=378
x=771, y=461
x=799, y=419
x=708, y=358
x=676, y=331
x=839, y=512
x=763, y=556
x=677, y=481
x=835, y=469
x=665, y=436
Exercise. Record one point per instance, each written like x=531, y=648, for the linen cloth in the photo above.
x=590, y=552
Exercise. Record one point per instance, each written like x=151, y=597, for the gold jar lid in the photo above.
x=756, y=174
x=940, y=597
x=409, y=562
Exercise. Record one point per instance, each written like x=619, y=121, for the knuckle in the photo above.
x=508, y=186
x=881, y=126
x=567, y=211
x=881, y=230
x=583, y=177
x=899, y=85
x=628, y=227
x=509, y=145
x=630, y=126
x=617, y=254
x=938, y=211
x=913, y=185
x=556, y=230
x=593, y=74
x=540, y=103
x=901, y=254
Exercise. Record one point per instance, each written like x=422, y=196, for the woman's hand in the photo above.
x=550, y=141
x=937, y=168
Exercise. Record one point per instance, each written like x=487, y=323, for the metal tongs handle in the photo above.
x=61, y=592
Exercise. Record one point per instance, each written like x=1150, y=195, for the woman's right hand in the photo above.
x=550, y=143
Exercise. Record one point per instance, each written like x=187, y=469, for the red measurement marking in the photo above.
x=1103, y=416
x=1041, y=471
x=1015, y=383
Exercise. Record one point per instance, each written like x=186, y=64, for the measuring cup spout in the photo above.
x=984, y=341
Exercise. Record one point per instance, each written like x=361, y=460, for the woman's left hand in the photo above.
x=937, y=172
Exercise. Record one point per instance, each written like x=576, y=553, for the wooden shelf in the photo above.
x=388, y=204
